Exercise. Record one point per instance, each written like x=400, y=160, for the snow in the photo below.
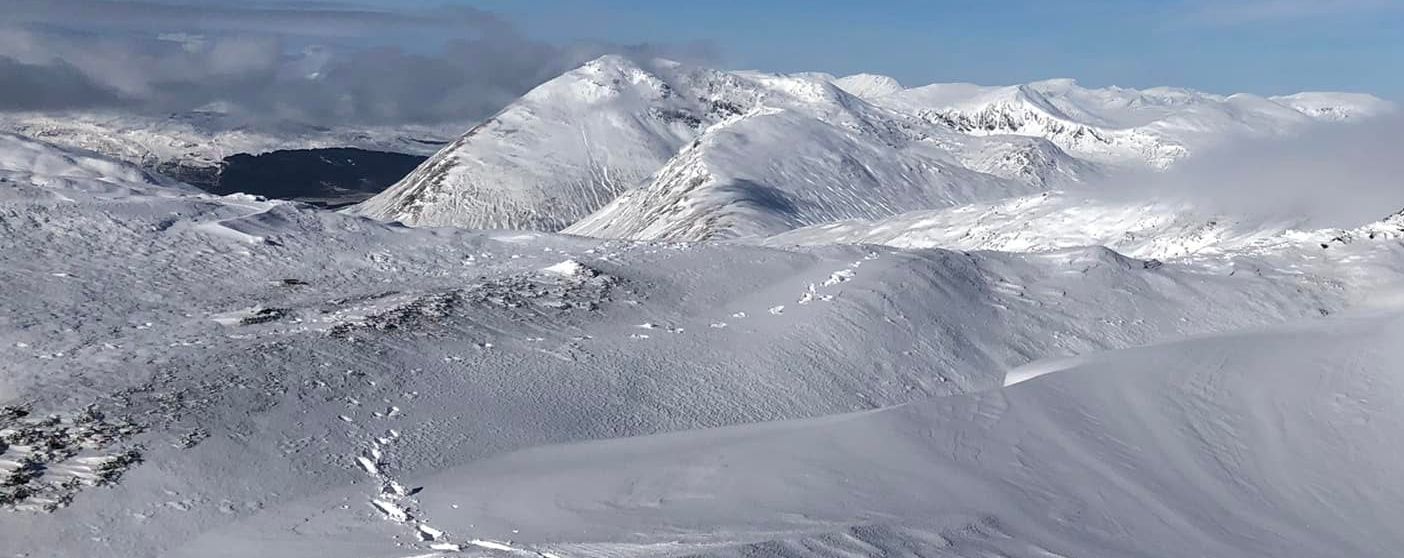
x=203, y=139
x=1153, y=127
x=564, y=149
x=869, y=86
x=570, y=268
x=1060, y=220
x=812, y=162
x=919, y=344
x=667, y=151
x=1251, y=444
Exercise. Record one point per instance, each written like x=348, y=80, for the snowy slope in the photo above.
x=1153, y=127
x=1054, y=221
x=1270, y=444
x=565, y=148
x=813, y=153
x=869, y=86
x=202, y=139
x=777, y=169
x=232, y=376
x=52, y=169
x=1062, y=220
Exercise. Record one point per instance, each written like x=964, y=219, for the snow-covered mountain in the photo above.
x=53, y=169
x=667, y=151
x=1154, y=127
x=774, y=170
x=191, y=144
x=566, y=148
x=744, y=152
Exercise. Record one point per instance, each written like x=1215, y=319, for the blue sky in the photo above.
x=1265, y=46
x=393, y=61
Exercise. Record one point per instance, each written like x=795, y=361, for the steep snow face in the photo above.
x=1153, y=127
x=565, y=148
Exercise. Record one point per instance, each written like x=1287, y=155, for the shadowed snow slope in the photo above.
x=229, y=376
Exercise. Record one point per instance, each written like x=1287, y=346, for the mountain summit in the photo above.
x=565, y=148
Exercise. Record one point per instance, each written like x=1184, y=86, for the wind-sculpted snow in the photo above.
x=276, y=380
x=1270, y=443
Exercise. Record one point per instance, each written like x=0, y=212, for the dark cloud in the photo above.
x=57, y=86
x=305, y=62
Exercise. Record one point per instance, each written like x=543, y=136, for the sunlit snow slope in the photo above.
x=565, y=148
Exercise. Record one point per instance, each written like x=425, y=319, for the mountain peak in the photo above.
x=609, y=61
x=869, y=86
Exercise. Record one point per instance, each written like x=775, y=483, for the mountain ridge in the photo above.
x=595, y=138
